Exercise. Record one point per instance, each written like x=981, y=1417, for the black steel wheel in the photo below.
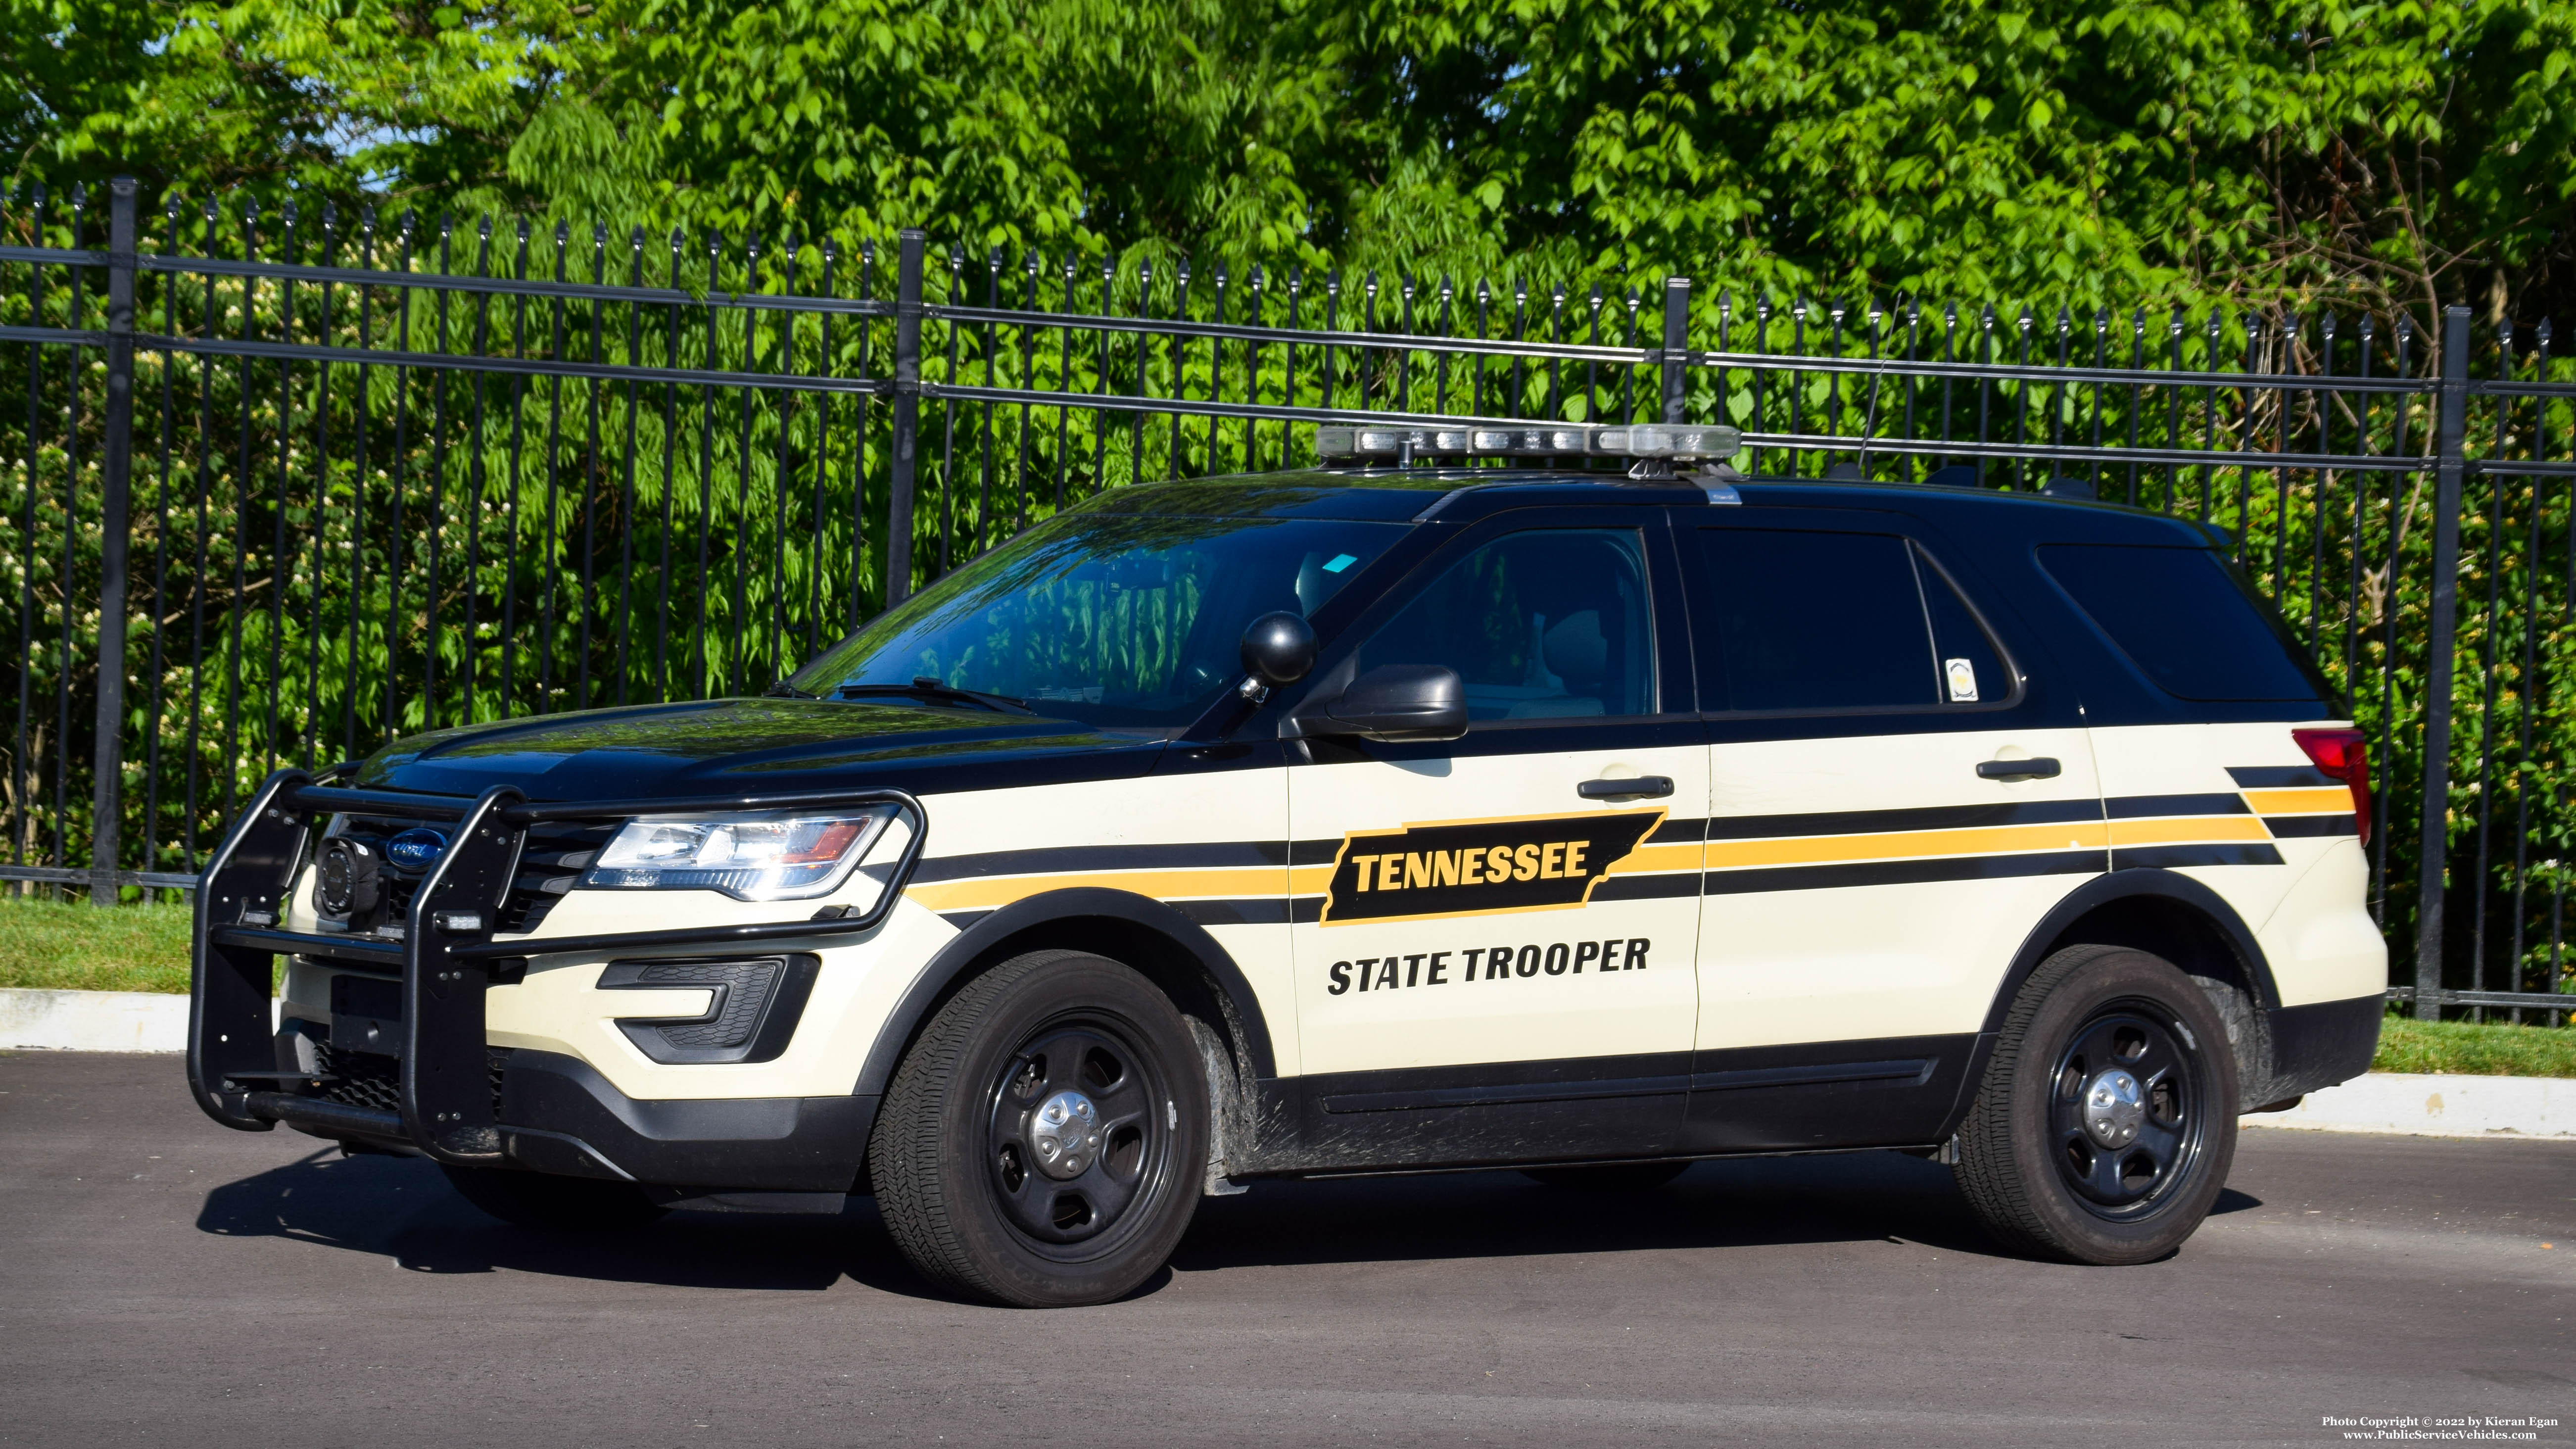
x=2106, y=1121
x=543, y=1200
x=1043, y=1142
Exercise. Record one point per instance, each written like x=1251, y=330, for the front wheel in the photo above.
x=1042, y=1143
x=2106, y=1121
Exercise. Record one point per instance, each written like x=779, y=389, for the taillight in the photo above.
x=2345, y=755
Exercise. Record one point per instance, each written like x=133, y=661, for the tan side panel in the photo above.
x=1809, y=962
x=1548, y=1014
x=2321, y=942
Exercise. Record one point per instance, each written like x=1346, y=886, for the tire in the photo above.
x=1608, y=1176
x=543, y=1200
x=2106, y=1121
x=981, y=1194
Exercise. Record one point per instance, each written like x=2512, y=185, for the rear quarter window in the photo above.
x=2185, y=619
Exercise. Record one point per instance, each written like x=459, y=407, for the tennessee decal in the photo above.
x=1479, y=867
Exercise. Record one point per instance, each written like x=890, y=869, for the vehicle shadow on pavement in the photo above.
x=402, y=1209
x=1747, y=1202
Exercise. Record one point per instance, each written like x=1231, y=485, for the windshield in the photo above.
x=1131, y=620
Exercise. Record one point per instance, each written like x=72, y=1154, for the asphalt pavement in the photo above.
x=165, y=1281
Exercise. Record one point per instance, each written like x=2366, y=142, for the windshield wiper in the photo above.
x=934, y=692
x=784, y=690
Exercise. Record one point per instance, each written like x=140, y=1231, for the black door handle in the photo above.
x=2042, y=768
x=1641, y=787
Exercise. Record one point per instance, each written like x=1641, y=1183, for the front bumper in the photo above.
x=551, y=1112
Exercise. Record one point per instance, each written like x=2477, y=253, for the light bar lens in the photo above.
x=748, y=857
x=1680, y=441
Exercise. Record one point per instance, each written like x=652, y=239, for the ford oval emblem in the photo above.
x=415, y=849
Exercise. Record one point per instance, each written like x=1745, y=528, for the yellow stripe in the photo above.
x=1270, y=881
x=2313, y=800
x=1162, y=885
x=2196, y=828
x=1894, y=845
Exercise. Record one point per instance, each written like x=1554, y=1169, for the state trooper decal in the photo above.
x=1480, y=867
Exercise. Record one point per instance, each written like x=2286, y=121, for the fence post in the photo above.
x=907, y=416
x=1676, y=346
x=115, y=505
x=2450, y=467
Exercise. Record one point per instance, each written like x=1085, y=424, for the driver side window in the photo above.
x=1550, y=624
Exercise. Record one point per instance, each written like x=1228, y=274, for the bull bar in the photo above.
x=447, y=956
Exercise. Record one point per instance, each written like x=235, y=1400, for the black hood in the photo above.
x=757, y=746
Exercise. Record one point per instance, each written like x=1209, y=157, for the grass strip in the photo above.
x=2479, y=1049
x=75, y=946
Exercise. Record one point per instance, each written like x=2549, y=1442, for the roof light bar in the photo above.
x=1680, y=442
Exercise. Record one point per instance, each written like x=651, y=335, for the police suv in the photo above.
x=1366, y=819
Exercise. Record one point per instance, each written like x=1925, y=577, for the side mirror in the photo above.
x=1398, y=703
x=1279, y=648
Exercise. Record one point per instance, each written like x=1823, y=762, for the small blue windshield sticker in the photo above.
x=1341, y=562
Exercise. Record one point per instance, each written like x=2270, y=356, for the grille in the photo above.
x=364, y=1079
x=549, y=864
x=359, y=1079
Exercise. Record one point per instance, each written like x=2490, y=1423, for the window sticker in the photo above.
x=1340, y=562
x=1963, y=680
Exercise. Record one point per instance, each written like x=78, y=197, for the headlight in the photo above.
x=748, y=857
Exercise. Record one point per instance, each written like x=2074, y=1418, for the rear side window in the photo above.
x=1836, y=621
x=2183, y=619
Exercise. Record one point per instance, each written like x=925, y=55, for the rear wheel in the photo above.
x=1609, y=1176
x=542, y=1200
x=2106, y=1122
x=1042, y=1143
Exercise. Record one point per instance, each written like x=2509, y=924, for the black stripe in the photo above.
x=1258, y=912
x=1679, y=832
x=1305, y=910
x=2298, y=827
x=2166, y=857
x=1871, y=822
x=2134, y=807
x=963, y=919
x=1051, y=860
x=2279, y=777
x=1647, y=887
x=1917, y=1070
x=1903, y=872
x=1506, y=1094
x=1314, y=852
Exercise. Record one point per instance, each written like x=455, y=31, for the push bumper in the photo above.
x=552, y=1113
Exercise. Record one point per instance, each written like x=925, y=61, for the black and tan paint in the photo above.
x=1442, y=869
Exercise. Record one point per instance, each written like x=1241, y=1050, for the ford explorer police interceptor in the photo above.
x=1361, y=819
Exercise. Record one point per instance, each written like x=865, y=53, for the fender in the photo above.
x=2121, y=885
x=1080, y=903
x=2100, y=891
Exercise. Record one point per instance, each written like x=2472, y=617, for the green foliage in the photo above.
x=2489, y=1049
x=2033, y=149
x=74, y=946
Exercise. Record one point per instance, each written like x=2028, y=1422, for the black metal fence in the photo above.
x=286, y=485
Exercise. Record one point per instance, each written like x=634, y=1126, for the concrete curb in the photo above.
x=2436, y=1104
x=93, y=1021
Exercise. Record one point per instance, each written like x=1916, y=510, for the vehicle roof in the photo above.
x=1462, y=495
